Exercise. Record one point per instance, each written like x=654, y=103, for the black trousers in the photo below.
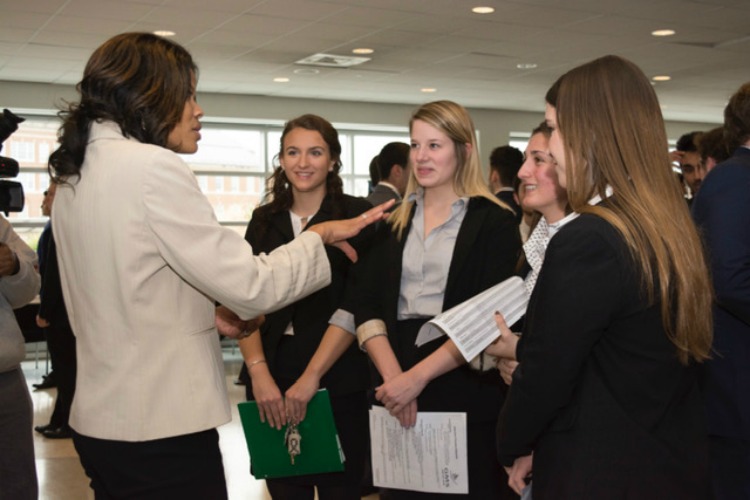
x=62, y=349
x=17, y=468
x=179, y=467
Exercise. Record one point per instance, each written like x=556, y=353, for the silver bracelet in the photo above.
x=253, y=363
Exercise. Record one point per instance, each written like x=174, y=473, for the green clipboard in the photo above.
x=320, y=445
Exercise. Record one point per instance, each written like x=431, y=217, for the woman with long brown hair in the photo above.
x=606, y=395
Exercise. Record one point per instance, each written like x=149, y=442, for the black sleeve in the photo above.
x=572, y=305
x=371, y=277
x=52, y=303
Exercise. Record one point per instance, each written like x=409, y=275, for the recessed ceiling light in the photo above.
x=281, y=79
x=526, y=65
x=306, y=71
x=483, y=10
x=662, y=78
x=428, y=90
x=164, y=33
x=663, y=32
x=362, y=50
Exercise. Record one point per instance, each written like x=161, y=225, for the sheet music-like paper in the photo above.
x=429, y=457
x=471, y=324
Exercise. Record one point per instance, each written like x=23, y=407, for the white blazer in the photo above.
x=142, y=260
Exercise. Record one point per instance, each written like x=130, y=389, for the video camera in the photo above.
x=11, y=192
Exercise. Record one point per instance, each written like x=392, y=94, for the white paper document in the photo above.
x=429, y=457
x=471, y=324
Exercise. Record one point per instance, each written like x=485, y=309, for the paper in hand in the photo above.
x=471, y=324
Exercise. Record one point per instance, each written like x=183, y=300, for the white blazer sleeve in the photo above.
x=217, y=260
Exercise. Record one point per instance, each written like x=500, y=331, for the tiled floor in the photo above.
x=62, y=478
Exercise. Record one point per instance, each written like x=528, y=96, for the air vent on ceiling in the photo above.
x=332, y=61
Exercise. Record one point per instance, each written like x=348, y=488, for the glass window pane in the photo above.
x=367, y=146
x=274, y=136
x=361, y=187
x=234, y=205
x=224, y=148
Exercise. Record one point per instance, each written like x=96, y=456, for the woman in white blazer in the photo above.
x=142, y=262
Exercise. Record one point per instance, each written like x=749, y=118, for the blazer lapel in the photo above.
x=324, y=213
x=282, y=223
x=467, y=233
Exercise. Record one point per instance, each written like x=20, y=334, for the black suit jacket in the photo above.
x=508, y=198
x=381, y=194
x=486, y=251
x=721, y=210
x=288, y=356
x=599, y=395
x=52, y=305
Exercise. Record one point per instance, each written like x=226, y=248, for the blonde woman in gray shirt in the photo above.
x=449, y=240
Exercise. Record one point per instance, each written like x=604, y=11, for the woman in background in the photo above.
x=542, y=195
x=605, y=395
x=449, y=240
x=296, y=351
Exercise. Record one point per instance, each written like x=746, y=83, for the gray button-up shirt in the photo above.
x=426, y=261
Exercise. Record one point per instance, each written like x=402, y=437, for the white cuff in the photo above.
x=370, y=329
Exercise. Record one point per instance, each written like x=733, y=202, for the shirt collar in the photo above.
x=418, y=198
x=608, y=191
x=390, y=186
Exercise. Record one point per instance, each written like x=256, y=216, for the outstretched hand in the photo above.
x=336, y=232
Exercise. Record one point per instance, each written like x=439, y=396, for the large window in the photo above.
x=231, y=166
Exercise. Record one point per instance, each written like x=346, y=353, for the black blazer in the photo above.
x=599, y=395
x=720, y=209
x=288, y=356
x=508, y=198
x=486, y=251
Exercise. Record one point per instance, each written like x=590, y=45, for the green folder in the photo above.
x=319, y=443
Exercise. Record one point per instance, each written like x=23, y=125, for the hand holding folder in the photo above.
x=319, y=447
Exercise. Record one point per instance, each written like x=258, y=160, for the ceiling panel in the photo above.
x=241, y=45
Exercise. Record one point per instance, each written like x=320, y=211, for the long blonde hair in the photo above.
x=454, y=121
x=613, y=132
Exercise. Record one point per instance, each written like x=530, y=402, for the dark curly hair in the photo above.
x=140, y=81
x=279, y=196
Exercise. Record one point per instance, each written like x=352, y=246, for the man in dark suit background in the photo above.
x=721, y=209
x=393, y=164
x=687, y=155
x=61, y=342
x=505, y=162
x=48, y=380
